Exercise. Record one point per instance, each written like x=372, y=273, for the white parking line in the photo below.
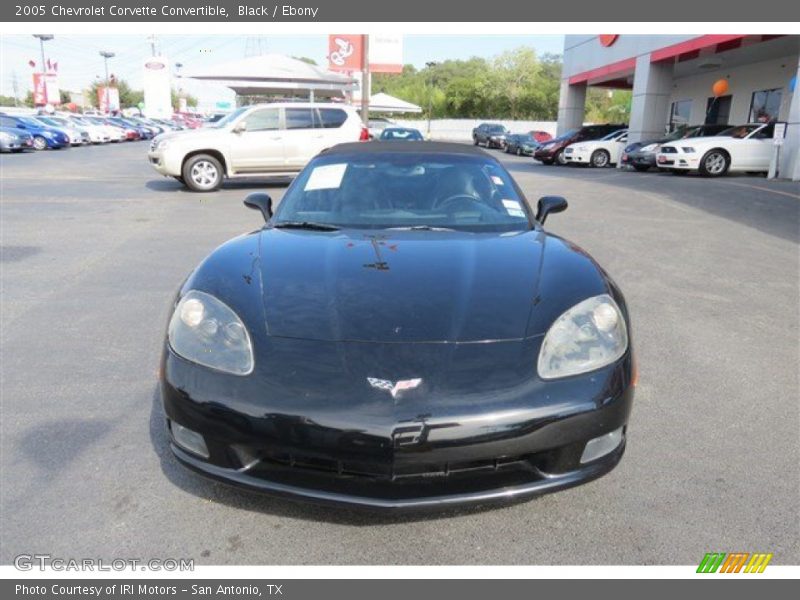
x=763, y=189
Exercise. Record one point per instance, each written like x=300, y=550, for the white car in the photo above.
x=98, y=134
x=598, y=153
x=741, y=148
x=264, y=139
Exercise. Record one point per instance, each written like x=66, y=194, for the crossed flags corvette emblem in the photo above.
x=394, y=388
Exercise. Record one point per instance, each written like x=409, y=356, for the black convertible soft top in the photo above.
x=406, y=148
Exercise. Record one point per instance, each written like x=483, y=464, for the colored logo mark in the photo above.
x=734, y=562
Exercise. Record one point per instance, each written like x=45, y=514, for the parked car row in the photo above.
x=32, y=131
x=711, y=149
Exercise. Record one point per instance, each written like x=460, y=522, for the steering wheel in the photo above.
x=456, y=199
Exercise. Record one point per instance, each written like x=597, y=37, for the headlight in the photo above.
x=207, y=332
x=650, y=148
x=161, y=144
x=590, y=335
x=688, y=149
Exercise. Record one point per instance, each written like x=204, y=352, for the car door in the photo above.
x=260, y=145
x=305, y=138
x=754, y=152
x=617, y=146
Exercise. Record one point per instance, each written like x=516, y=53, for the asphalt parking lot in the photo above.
x=95, y=244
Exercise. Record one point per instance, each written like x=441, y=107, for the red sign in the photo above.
x=345, y=52
x=39, y=89
x=608, y=40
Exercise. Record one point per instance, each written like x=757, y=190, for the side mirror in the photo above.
x=549, y=204
x=240, y=127
x=260, y=201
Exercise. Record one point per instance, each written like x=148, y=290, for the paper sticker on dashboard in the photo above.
x=326, y=177
x=513, y=208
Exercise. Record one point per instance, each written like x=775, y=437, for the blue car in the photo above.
x=43, y=137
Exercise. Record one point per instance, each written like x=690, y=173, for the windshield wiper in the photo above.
x=305, y=225
x=420, y=228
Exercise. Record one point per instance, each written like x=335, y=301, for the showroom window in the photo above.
x=718, y=110
x=765, y=105
x=680, y=114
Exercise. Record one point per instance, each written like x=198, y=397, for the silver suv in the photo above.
x=263, y=139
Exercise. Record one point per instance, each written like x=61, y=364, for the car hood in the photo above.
x=694, y=141
x=399, y=286
x=191, y=135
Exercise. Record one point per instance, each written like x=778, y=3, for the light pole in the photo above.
x=430, y=66
x=106, y=55
x=43, y=37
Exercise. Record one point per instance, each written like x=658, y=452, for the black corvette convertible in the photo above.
x=401, y=334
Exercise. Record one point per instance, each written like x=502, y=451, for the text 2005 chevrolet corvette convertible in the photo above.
x=401, y=333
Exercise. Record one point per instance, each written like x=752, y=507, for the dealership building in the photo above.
x=671, y=78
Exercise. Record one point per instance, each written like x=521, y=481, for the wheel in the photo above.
x=475, y=141
x=39, y=143
x=600, y=158
x=202, y=173
x=560, y=159
x=715, y=163
x=547, y=162
x=641, y=168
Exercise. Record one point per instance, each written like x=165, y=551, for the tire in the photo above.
x=547, y=162
x=715, y=163
x=475, y=141
x=559, y=159
x=39, y=143
x=202, y=173
x=600, y=159
x=641, y=168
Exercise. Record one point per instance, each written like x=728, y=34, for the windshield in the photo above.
x=229, y=118
x=495, y=129
x=401, y=134
x=386, y=190
x=739, y=132
x=613, y=135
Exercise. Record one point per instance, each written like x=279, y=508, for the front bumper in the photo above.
x=577, y=156
x=414, y=454
x=678, y=161
x=163, y=163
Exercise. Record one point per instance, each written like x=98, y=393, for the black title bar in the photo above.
x=710, y=11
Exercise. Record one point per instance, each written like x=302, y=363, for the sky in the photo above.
x=79, y=62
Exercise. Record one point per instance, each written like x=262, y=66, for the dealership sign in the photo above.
x=45, y=89
x=108, y=98
x=157, y=87
x=346, y=53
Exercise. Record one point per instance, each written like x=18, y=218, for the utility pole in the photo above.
x=365, y=79
x=15, y=87
x=432, y=80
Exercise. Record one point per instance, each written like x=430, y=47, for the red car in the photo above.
x=541, y=136
x=187, y=120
